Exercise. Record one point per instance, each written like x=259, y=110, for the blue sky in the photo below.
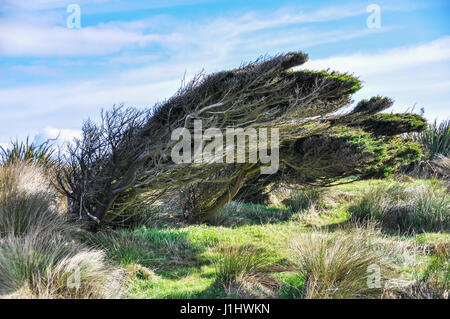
x=136, y=52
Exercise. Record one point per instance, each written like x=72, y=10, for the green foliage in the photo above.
x=393, y=124
x=384, y=154
x=26, y=152
x=435, y=140
x=353, y=83
x=372, y=106
x=432, y=275
x=291, y=285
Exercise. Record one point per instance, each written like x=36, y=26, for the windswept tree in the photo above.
x=130, y=151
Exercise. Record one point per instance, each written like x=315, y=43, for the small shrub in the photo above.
x=435, y=140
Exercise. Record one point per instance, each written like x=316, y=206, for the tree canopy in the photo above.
x=129, y=152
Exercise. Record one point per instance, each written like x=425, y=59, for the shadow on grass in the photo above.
x=236, y=214
x=157, y=249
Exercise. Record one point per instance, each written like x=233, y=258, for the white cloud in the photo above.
x=22, y=40
x=26, y=35
x=388, y=61
x=35, y=70
x=214, y=46
x=413, y=75
x=417, y=74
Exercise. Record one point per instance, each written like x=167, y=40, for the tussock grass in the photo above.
x=404, y=208
x=38, y=256
x=305, y=199
x=27, y=202
x=38, y=267
x=338, y=265
x=435, y=139
x=123, y=248
x=244, y=271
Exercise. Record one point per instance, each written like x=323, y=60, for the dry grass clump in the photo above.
x=244, y=271
x=54, y=268
x=38, y=256
x=27, y=202
x=407, y=209
x=340, y=265
x=304, y=199
x=442, y=163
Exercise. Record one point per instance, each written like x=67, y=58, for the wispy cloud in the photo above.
x=412, y=75
x=140, y=62
x=388, y=61
x=35, y=70
x=48, y=36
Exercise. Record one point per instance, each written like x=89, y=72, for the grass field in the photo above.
x=251, y=251
x=369, y=239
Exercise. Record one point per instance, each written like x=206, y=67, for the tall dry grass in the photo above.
x=406, y=209
x=40, y=267
x=28, y=202
x=244, y=270
x=442, y=164
x=39, y=256
x=342, y=264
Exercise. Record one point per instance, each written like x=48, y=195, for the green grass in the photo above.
x=248, y=251
x=200, y=261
